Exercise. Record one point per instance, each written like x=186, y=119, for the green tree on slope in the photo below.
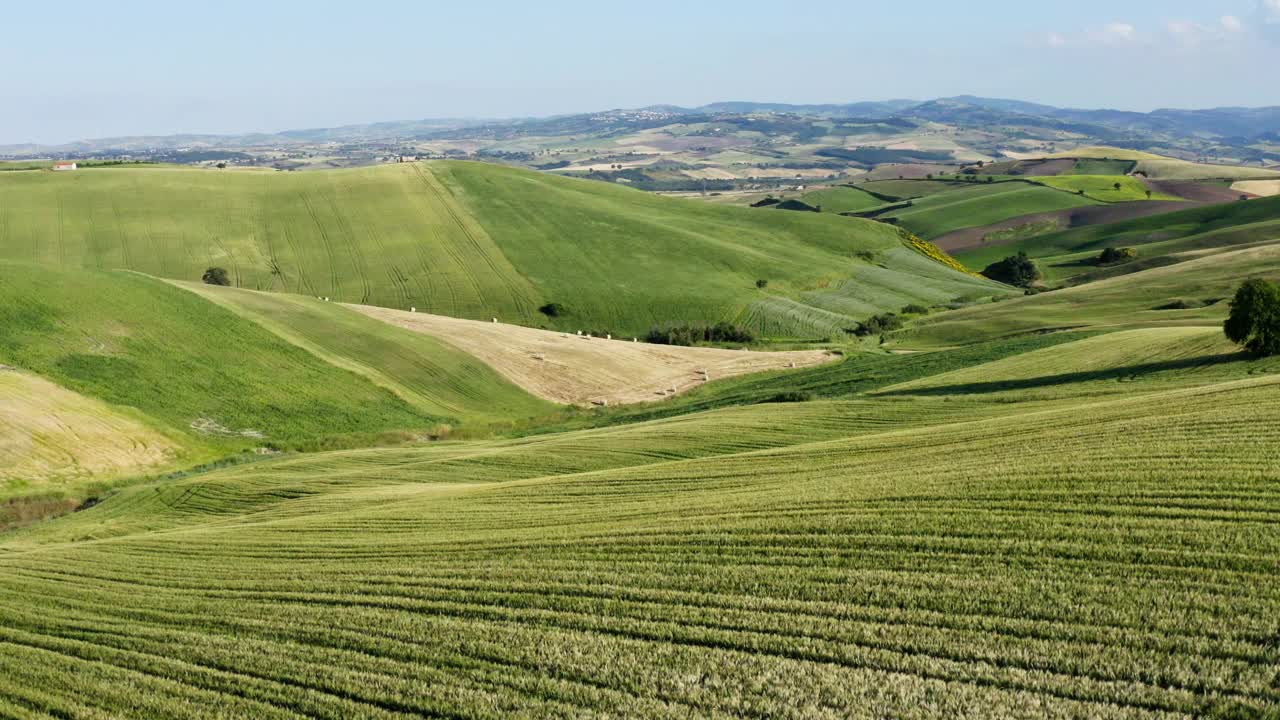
x=1255, y=317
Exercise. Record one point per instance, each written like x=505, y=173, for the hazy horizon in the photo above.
x=155, y=69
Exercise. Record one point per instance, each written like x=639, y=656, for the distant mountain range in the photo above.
x=1228, y=125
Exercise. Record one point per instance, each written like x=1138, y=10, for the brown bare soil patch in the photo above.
x=581, y=370
x=1196, y=191
x=1045, y=168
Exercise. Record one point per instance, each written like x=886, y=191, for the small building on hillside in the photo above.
x=64, y=165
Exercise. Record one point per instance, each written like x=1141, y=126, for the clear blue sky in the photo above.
x=75, y=69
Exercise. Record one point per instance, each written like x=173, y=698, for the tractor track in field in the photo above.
x=358, y=259
x=148, y=227
x=451, y=249
x=334, y=281
x=519, y=299
x=123, y=238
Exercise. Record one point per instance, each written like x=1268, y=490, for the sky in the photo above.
x=75, y=69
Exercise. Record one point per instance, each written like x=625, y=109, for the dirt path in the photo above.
x=579, y=370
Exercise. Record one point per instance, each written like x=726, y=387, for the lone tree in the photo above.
x=1018, y=270
x=762, y=283
x=553, y=309
x=216, y=276
x=1255, y=318
x=1116, y=186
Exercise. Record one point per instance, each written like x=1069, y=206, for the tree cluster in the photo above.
x=1018, y=270
x=694, y=334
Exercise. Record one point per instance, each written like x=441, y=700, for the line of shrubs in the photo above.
x=721, y=332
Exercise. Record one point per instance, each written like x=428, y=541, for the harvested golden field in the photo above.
x=49, y=434
x=582, y=370
x=1261, y=188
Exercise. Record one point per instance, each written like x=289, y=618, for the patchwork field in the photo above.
x=1159, y=239
x=1192, y=291
x=1103, y=187
x=982, y=204
x=1159, y=167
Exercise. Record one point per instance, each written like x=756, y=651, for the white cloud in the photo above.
x=1119, y=32
x=1269, y=10
x=1231, y=23
x=1056, y=40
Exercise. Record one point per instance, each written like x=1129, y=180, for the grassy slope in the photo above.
x=981, y=204
x=1102, y=167
x=909, y=188
x=1063, y=254
x=137, y=342
x=842, y=199
x=644, y=260
x=1125, y=301
x=463, y=239
x=972, y=558
x=433, y=377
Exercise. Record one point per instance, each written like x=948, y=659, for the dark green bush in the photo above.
x=1018, y=270
x=1115, y=255
x=553, y=309
x=886, y=322
x=216, y=276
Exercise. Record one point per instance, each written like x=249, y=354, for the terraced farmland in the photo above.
x=460, y=239
x=1109, y=560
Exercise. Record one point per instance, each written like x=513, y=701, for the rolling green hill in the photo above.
x=1192, y=291
x=464, y=239
x=137, y=363
x=842, y=199
x=980, y=204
